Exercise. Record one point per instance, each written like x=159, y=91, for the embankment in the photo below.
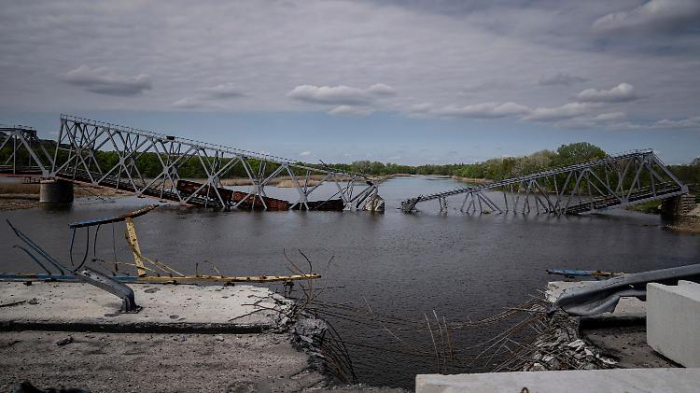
x=25, y=196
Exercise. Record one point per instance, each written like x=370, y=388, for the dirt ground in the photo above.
x=130, y=362
x=26, y=196
x=628, y=345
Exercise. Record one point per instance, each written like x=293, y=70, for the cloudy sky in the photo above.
x=401, y=81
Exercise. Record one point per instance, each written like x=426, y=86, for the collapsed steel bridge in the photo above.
x=614, y=181
x=22, y=139
x=79, y=140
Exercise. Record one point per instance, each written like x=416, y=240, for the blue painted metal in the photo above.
x=62, y=269
x=55, y=277
x=100, y=221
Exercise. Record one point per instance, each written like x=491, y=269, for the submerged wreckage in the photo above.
x=147, y=269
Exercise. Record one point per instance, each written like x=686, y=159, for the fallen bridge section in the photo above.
x=115, y=156
x=614, y=181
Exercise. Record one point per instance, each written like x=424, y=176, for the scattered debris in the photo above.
x=13, y=304
x=27, y=387
x=65, y=341
x=559, y=347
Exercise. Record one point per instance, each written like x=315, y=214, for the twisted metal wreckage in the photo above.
x=81, y=141
x=147, y=269
x=614, y=181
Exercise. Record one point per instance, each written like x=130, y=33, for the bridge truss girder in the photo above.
x=21, y=139
x=80, y=140
x=614, y=181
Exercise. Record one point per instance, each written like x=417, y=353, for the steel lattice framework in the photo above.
x=614, y=181
x=80, y=139
x=23, y=139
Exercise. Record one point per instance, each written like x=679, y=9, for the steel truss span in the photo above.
x=614, y=181
x=23, y=141
x=80, y=140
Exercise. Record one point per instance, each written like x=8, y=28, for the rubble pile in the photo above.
x=559, y=347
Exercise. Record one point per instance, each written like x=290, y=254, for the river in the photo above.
x=407, y=265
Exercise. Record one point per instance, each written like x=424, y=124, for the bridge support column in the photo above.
x=678, y=206
x=56, y=192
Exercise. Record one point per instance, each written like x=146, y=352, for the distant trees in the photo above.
x=578, y=152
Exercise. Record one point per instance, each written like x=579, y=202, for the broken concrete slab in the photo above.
x=601, y=381
x=166, y=308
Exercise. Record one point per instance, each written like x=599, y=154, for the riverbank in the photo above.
x=14, y=196
x=472, y=180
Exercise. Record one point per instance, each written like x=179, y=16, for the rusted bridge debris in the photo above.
x=614, y=181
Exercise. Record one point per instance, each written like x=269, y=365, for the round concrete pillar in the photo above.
x=56, y=192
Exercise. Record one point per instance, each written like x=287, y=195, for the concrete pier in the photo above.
x=56, y=192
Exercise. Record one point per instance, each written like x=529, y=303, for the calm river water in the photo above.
x=407, y=265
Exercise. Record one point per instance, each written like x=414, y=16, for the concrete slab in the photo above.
x=673, y=321
x=166, y=308
x=599, y=381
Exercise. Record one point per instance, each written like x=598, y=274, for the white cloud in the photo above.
x=224, y=90
x=689, y=123
x=587, y=121
x=333, y=95
x=209, y=97
x=187, y=103
x=613, y=116
x=347, y=110
x=654, y=14
x=305, y=153
x=621, y=93
x=102, y=81
x=483, y=110
x=563, y=112
x=381, y=89
x=421, y=108
x=560, y=79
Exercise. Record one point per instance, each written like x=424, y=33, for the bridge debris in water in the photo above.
x=147, y=269
x=80, y=141
x=615, y=181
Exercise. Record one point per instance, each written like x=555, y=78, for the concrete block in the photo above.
x=673, y=321
x=677, y=380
